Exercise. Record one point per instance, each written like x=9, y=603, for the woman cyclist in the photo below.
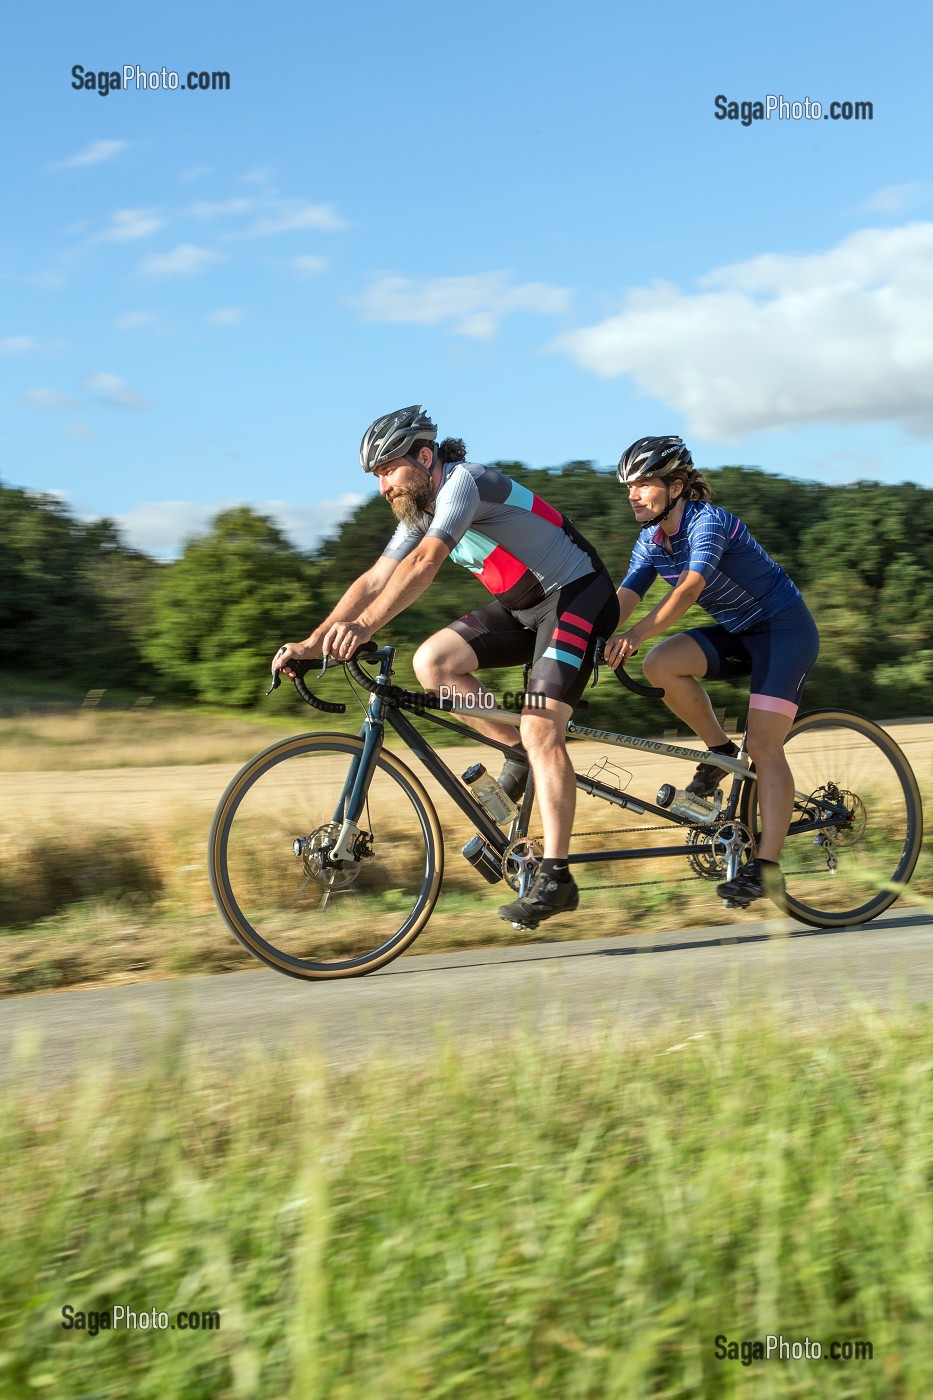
x=763, y=627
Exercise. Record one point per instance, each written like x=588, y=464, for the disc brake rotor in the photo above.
x=313, y=851
x=853, y=830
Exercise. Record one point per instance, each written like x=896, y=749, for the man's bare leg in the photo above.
x=446, y=658
x=543, y=732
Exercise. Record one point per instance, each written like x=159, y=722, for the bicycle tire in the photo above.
x=857, y=869
x=284, y=905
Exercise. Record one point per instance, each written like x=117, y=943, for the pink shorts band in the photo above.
x=771, y=702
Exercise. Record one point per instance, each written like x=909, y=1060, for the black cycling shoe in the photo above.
x=752, y=882
x=707, y=778
x=546, y=898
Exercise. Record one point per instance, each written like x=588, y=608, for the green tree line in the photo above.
x=79, y=606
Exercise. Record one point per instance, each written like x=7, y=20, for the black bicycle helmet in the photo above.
x=393, y=434
x=653, y=456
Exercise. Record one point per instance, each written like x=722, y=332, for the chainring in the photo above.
x=520, y=858
x=724, y=836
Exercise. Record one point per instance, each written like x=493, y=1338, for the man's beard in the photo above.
x=410, y=502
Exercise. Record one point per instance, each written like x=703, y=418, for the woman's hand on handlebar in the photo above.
x=618, y=650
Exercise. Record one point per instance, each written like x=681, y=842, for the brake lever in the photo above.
x=302, y=668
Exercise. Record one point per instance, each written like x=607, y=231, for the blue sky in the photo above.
x=526, y=217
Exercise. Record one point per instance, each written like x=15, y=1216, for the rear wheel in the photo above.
x=857, y=825
x=271, y=867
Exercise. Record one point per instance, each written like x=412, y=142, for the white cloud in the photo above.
x=842, y=336
x=45, y=399
x=48, y=281
x=224, y=208
x=294, y=216
x=29, y=344
x=195, y=173
x=226, y=316
x=306, y=264
x=81, y=430
x=474, y=303
x=259, y=175
x=184, y=261
x=18, y=345
x=307, y=526
x=161, y=527
x=134, y=320
x=894, y=199
x=93, y=154
x=111, y=390
x=126, y=225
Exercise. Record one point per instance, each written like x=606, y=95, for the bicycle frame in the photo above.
x=385, y=706
x=381, y=710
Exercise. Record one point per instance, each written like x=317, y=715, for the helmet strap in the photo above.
x=656, y=520
x=430, y=470
x=415, y=463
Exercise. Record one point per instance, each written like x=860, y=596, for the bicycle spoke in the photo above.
x=272, y=868
x=856, y=829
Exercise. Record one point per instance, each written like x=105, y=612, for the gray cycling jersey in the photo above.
x=516, y=544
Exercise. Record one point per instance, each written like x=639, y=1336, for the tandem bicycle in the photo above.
x=326, y=853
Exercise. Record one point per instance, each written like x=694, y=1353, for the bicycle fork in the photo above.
x=347, y=846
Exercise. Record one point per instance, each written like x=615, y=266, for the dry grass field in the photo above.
x=103, y=835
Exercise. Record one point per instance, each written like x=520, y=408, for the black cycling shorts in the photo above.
x=558, y=635
x=779, y=653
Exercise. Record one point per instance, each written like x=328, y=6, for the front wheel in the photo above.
x=275, y=883
x=857, y=824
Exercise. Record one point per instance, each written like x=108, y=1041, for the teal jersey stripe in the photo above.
x=473, y=550
x=567, y=657
x=520, y=497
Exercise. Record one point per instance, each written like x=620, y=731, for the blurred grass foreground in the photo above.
x=538, y=1218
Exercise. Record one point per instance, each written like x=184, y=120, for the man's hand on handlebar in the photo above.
x=291, y=653
x=344, y=639
x=618, y=650
x=341, y=642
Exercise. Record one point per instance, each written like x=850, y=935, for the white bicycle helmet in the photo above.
x=653, y=456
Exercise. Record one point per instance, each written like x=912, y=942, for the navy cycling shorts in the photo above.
x=779, y=654
x=558, y=636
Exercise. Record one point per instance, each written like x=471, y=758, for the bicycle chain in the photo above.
x=622, y=830
x=632, y=884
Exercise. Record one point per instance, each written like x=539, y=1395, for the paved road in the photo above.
x=420, y=1002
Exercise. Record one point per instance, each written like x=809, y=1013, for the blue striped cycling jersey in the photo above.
x=744, y=585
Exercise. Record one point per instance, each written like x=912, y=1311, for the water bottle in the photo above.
x=685, y=805
x=490, y=795
x=483, y=859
